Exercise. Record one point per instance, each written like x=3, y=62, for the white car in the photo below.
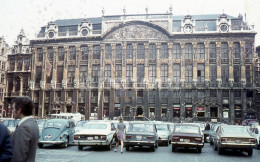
x=164, y=133
x=255, y=132
x=95, y=134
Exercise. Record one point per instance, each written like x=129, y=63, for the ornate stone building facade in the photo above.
x=160, y=66
x=3, y=62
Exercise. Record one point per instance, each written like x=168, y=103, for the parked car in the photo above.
x=99, y=133
x=234, y=137
x=256, y=134
x=79, y=125
x=164, y=133
x=57, y=131
x=212, y=133
x=11, y=124
x=188, y=136
x=141, y=134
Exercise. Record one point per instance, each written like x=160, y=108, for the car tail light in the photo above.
x=149, y=137
x=198, y=139
x=223, y=139
x=76, y=137
x=252, y=140
x=175, y=138
x=128, y=136
x=103, y=137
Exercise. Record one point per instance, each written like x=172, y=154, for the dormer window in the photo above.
x=188, y=28
x=84, y=32
x=224, y=28
x=51, y=34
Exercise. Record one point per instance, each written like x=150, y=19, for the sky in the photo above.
x=31, y=15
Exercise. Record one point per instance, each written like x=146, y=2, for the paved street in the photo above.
x=163, y=153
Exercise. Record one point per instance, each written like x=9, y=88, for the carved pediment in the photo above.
x=136, y=32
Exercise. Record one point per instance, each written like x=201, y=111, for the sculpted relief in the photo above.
x=136, y=32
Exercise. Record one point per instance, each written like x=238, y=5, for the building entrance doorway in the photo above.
x=139, y=111
x=214, y=112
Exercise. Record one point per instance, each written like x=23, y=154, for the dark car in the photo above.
x=187, y=136
x=57, y=131
x=141, y=134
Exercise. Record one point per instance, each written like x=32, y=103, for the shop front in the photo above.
x=176, y=111
x=188, y=110
x=200, y=112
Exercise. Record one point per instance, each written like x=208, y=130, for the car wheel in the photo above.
x=211, y=143
x=173, y=148
x=80, y=147
x=170, y=141
x=250, y=152
x=220, y=151
x=215, y=147
x=65, y=145
x=153, y=148
x=256, y=145
x=127, y=148
x=199, y=149
x=40, y=145
x=108, y=147
x=156, y=144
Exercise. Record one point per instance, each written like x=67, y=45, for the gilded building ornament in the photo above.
x=200, y=61
x=176, y=61
x=140, y=61
x=129, y=61
x=164, y=61
x=136, y=32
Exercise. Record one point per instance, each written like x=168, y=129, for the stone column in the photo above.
x=243, y=60
x=195, y=63
x=218, y=48
x=231, y=68
x=182, y=80
x=207, y=67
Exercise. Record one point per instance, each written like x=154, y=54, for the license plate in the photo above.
x=238, y=141
x=138, y=137
x=186, y=140
x=90, y=138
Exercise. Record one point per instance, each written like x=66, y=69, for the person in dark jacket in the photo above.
x=207, y=127
x=6, y=151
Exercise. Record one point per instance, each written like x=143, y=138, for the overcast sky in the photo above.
x=32, y=14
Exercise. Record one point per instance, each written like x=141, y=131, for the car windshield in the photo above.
x=80, y=124
x=11, y=123
x=53, y=125
x=234, y=130
x=95, y=126
x=186, y=129
x=162, y=127
x=141, y=127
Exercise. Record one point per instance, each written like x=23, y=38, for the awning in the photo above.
x=188, y=108
x=176, y=108
x=200, y=109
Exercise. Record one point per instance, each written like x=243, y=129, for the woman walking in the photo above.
x=120, y=132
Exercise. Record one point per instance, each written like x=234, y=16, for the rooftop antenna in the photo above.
x=170, y=9
x=103, y=11
x=124, y=10
x=146, y=9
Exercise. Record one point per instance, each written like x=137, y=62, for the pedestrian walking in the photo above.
x=6, y=151
x=26, y=135
x=120, y=132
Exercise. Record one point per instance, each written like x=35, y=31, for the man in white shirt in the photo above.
x=26, y=135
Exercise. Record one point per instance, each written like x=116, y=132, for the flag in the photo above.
x=48, y=67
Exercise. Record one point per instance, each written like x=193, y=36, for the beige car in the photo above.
x=233, y=137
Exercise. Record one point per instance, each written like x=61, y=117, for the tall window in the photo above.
x=38, y=74
x=152, y=73
x=176, y=51
x=50, y=54
x=118, y=73
x=84, y=53
x=249, y=50
x=95, y=73
x=108, y=53
x=164, y=51
x=188, y=94
x=237, y=73
x=188, y=74
x=72, y=53
x=59, y=74
x=201, y=51
x=129, y=73
x=237, y=50
x=39, y=54
x=140, y=73
x=152, y=51
x=61, y=53
x=12, y=64
x=225, y=74
x=140, y=51
x=201, y=73
x=176, y=73
x=201, y=95
x=213, y=74
x=248, y=74
x=20, y=64
x=96, y=52
x=212, y=51
x=224, y=50
x=83, y=73
x=188, y=51
x=152, y=94
x=107, y=73
x=164, y=73
x=129, y=93
x=129, y=51
x=118, y=52
x=71, y=73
